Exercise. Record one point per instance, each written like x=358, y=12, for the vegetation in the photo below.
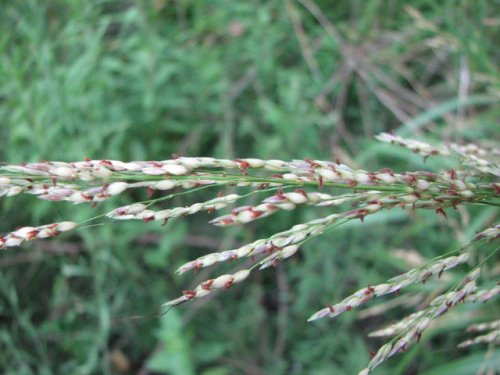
x=275, y=80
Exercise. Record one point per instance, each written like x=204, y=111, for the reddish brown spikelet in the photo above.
x=301, y=191
x=479, y=236
x=150, y=192
x=274, y=247
x=189, y=294
x=207, y=284
x=373, y=177
x=280, y=195
x=227, y=221
x=362, y=214
x=369, y=290
x=440, y=272
x=255, y=214
x=330, y=308
x=418, y=335
x=312, y=163
x=243, y=165
x=197, y=268
x=102, y=196
x=87, y=196
x=32, y=234
x=270, y=249
x=429, y=175
x=105, y=163
x=388, y=171
x=440, y=210
x=411, y=179
x=121, y=211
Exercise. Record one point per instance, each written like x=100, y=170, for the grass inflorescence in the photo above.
x=291, y=183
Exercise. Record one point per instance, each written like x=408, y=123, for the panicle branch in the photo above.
x=208, y=286
x=484, y=326
x=394, y=285
x=488, y=338
x=471, y=155
x=17, y=237
x=413, y=331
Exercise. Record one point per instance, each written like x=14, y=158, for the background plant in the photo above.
x=132, y=81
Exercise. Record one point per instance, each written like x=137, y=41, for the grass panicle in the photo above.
x=290, y=185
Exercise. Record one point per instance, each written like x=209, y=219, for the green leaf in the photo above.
x=174, y=355
x=469, y=364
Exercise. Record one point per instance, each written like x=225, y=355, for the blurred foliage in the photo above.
x=138, y=80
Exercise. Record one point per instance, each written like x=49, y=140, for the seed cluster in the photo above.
x=392, y=286
x=490, y=337
x=349, y=193
x=208, y=286
x=493, y=336
x=414, y=328
x=17, y=237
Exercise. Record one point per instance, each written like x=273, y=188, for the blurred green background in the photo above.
x=141, y=80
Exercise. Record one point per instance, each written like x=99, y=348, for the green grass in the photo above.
x=139, y=80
